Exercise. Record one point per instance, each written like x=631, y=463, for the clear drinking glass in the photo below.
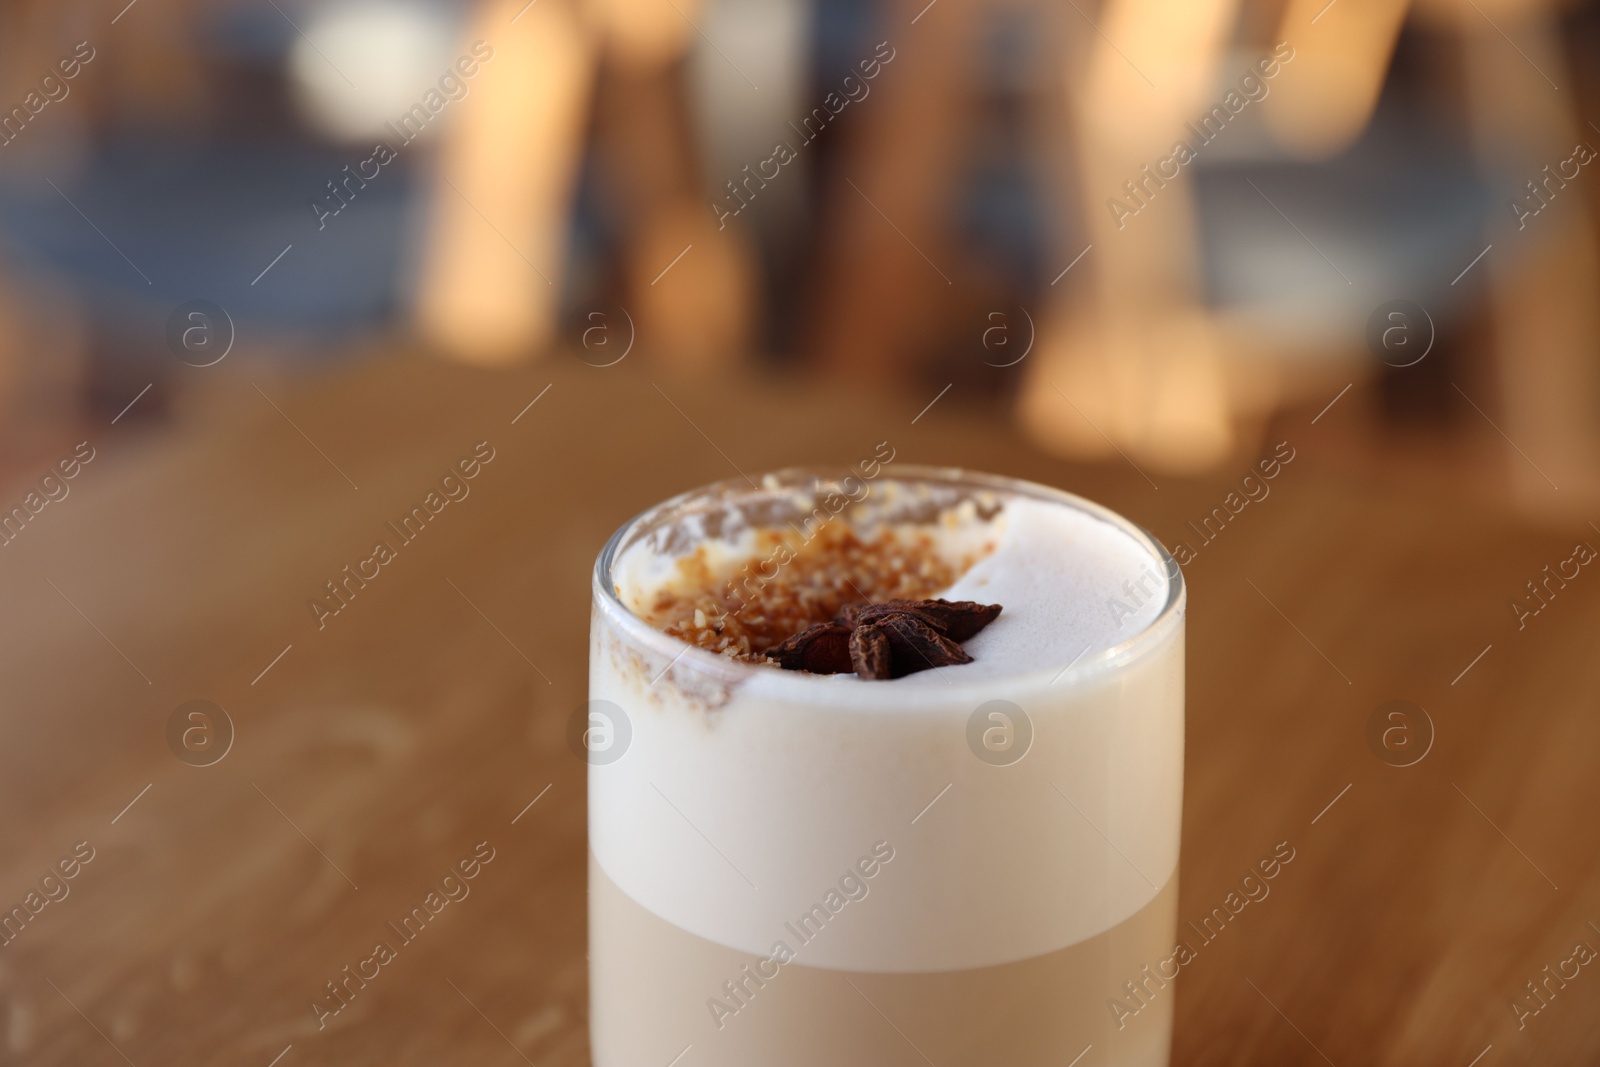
x=789, y=869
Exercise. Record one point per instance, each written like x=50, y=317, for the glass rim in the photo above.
x=731, y=671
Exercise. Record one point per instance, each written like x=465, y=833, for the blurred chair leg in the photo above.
x=696, y=312
x=156, y=67
x=1133, y=364
x=44, y=334
x=155, y=73
x=491, y=283
x=1543, y=280
x=44, y=348
x=885, y=266
x=1340, y=62
x=690, y=288
x=27, y=41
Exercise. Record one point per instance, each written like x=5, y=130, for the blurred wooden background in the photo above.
x=974, y=177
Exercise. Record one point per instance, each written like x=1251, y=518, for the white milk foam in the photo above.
x=1059, y=574
x=733, y=819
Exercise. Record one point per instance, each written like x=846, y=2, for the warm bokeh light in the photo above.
x=386, y=49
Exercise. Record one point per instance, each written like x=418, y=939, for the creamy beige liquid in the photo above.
x=651, y=982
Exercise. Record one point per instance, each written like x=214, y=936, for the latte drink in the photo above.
x=946, y=862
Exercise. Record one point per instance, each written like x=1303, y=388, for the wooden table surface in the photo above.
x=428, y=714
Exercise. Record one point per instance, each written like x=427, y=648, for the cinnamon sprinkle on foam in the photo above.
x=789, y=584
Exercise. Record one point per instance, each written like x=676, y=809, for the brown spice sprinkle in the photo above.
x=766, y=602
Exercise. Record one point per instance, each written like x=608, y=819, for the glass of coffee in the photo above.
x=886, y=767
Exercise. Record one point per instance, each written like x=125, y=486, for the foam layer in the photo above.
x=1071, y=584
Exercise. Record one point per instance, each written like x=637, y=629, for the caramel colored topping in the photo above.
x=792, y=584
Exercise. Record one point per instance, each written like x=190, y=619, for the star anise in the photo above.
x=888, y=640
